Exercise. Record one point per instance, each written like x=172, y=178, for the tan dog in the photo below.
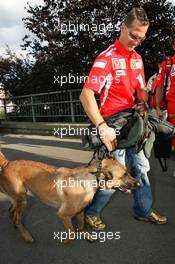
x=70, y=190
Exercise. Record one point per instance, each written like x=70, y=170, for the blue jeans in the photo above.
x=138, y=166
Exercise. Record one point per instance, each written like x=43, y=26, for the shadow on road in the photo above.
x=44, y=142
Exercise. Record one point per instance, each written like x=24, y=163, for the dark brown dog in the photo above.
x=70, y=190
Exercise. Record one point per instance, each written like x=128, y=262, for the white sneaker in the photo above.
x=173, y=174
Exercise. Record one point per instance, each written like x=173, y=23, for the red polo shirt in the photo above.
x=115, y=75
x=164, y=71
x=171, y=91
x=171, y=96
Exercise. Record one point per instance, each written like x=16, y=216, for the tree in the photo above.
x=162, y=16
x=75, y=51
x=69, y=35
x=15, y=73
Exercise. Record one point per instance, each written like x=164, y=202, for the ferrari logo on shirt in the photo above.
x=135, y=64
x=118, y=64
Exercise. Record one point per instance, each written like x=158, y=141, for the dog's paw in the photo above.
x=27, y=236
x=29, y=239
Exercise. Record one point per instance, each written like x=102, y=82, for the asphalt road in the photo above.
x=138, y=243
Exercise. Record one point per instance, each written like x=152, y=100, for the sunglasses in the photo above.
x=134, y=37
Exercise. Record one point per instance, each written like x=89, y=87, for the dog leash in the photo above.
x=108, y=155
x=93, y=158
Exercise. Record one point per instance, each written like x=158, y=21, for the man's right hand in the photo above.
x=108, y=136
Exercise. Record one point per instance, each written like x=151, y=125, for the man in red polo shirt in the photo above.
x=171, y=97
x=115, y=75
x=112, y=73
x=167, y=70
x=152, y=83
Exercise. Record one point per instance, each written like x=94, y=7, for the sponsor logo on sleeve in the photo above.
x=100, y=64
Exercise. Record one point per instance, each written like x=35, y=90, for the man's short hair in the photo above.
x=136, y=13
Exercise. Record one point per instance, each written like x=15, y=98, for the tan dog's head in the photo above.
x=114, y=174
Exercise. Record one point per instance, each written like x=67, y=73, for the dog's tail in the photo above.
x=3, y=160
